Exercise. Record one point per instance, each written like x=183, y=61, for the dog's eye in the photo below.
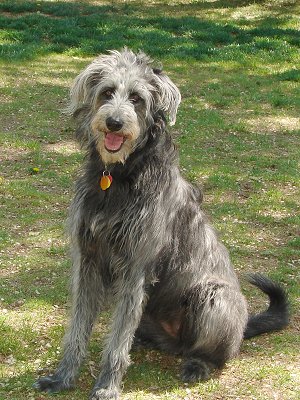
x=134, y=98
x=108, y=93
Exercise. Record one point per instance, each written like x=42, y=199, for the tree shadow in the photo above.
x=32, y=29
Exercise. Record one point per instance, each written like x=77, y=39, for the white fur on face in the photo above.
x=130, y=131
x=123, y=82
x=125, y=74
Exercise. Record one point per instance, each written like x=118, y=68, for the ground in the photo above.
x=237, y=66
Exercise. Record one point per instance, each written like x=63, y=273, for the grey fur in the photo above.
x=144, y=243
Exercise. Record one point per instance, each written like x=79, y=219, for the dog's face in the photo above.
x=122, y=93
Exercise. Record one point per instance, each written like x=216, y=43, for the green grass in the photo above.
x=237, y=65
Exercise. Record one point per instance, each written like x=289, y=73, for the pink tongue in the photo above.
x=113, y=142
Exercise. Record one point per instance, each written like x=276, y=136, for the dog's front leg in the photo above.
x=88, y=293
x=115, y=358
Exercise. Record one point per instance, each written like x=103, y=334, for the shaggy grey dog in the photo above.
x=140, y=240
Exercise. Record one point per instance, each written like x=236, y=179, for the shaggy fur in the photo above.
x=144, y=244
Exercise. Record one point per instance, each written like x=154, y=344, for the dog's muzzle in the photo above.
x=114, y=140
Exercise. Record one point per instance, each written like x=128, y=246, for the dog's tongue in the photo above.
x=113, y=142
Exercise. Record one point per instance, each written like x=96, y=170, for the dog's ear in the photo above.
x=84, y=85
x=168, y=95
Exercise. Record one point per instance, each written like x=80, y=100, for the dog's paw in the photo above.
x=51, y=384
x=104, y=394
x=195, y=370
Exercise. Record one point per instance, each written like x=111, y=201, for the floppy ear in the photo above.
x=168, y=94
x=83, y=88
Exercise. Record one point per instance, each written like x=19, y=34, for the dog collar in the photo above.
x=105, y=180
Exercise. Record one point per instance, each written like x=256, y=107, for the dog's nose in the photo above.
x=114, y=124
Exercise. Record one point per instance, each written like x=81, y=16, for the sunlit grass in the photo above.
x=237, y=66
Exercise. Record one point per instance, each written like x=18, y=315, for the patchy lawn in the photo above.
x=237, y=65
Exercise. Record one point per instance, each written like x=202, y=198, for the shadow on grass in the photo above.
x=32, y=28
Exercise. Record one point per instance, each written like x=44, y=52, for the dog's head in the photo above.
x=121, y=93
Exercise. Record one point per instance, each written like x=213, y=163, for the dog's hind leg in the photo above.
x=212, y=330
x=145, y=335
x=152, y=335
x=87, y=292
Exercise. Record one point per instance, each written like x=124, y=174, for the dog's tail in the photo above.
x=276, y=317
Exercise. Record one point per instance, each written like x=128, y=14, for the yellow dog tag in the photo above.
x=106, y=180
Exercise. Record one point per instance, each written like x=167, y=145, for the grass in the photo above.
x=237, y=65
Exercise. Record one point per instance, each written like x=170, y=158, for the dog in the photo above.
x=140, y=240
